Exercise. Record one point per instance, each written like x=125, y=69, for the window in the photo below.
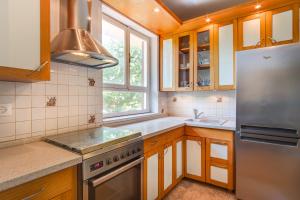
x=126, y=86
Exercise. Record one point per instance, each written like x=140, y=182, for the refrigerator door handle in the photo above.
x=268, y=139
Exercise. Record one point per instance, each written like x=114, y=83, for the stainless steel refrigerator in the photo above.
x=268, y=124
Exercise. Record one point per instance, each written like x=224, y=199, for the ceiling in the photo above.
x=141, y=11
x=188, y=9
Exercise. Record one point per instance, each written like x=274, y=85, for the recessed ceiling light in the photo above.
x=257, y=6
x=208, y=19
x=156, y=10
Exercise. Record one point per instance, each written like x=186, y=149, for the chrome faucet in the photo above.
x=197, y=115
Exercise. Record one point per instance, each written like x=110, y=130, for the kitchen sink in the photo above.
x=206, y=120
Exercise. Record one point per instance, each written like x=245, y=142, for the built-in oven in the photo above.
x=114, y=175
x=123, y=183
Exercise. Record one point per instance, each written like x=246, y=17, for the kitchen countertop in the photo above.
x=23, y=163
x=157, y=126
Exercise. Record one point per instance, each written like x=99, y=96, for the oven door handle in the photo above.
x=116, y=172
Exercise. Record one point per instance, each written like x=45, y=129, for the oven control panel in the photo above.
x=103, y=162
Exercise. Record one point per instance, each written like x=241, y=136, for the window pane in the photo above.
x=138, y=61
x=120, y=101
x=113, y=39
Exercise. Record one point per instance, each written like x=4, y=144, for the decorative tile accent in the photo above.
x=51, y=101
x=92, y=119
x=91, y=82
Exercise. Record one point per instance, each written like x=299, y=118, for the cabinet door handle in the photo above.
x=33, y=195
x=38, y=68
x=273, y=40
x=258, y=44
x=165, y=152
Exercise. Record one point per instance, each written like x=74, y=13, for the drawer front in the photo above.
x=162, y=139
x=219, y=151
x=209, y=133
x=219, y=174
x=153, y=143
x=48, y=187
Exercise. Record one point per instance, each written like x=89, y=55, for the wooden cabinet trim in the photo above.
x=14, y=74
x=209, y=133
x=269, y=24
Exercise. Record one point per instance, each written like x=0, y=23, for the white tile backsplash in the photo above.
x=23, y=114
x=23, y=127
x=38, y=89
x=38, y=113
x=23, y=89
x=38, y=125
x=7, y=88
x=23, y=101
x=31, y=117
x=183, y=103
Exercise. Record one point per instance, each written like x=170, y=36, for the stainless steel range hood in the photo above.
x=74, y=44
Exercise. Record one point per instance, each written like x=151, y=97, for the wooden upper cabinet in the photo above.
x=282, y=25
x=184, y=61
x=25, y=40
x=203, y=58
x=225, y=36
x=251, y=31
x=167, y=69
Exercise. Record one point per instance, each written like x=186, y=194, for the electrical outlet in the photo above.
x=5, y=109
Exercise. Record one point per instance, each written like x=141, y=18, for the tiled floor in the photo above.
x=190, y=190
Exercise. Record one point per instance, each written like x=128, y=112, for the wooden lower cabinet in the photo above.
x=163, y=163
x=216, y=156
x=61, y=185
x=197, y=153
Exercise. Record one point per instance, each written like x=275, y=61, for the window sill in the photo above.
x=129, y=119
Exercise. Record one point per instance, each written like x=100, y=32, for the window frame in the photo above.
x=126, y=86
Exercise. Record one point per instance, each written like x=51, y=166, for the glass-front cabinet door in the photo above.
x=167, y=69
x=203, y=60
x=184, y=62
